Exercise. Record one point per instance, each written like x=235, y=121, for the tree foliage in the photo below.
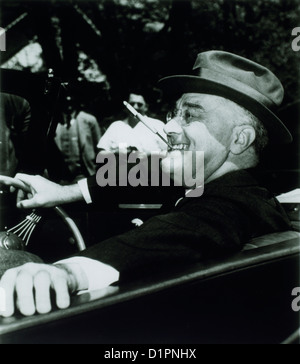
x=136, y=42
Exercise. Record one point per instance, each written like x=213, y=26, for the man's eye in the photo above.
x=189, y=116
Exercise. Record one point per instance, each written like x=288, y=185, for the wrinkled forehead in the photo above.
x=214, y=107
x=205, y=101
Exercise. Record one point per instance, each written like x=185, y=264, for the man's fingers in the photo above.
x=42, y=192
x=60, y=285
x=12, y=189
x=30, y=286
x=25, y=294
x=26, y=178
x=20, y=196
x=9, y=289
x=42, y=283
x=23, y=196
x=28, y=204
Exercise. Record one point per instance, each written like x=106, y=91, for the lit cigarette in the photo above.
x=143, y=119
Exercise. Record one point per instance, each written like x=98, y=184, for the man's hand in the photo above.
x=30, y=285
x=44, y=193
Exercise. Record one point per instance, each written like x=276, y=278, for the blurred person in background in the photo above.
x=77, y=135
x=132, y=134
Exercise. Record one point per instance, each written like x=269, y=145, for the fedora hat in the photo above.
x=238, y=79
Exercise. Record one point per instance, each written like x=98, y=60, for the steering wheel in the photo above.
x=16, y=238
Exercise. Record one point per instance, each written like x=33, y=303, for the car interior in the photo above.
x=245, y=297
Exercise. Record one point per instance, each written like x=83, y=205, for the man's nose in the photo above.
x=173, y=127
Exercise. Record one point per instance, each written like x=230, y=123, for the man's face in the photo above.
x=138, y=102
x=200, y=123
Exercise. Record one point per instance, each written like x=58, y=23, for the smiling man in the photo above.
x=231, y=137
x=225, y=111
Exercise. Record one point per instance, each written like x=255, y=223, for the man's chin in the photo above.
x=172, y=162
x=175, y=155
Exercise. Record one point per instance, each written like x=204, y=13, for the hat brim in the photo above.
x=178, y=85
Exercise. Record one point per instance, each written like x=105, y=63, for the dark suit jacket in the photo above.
x=232, y=210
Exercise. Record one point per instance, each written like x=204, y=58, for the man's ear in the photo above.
x=243, y=138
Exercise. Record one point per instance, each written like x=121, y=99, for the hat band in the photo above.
x=218, y=77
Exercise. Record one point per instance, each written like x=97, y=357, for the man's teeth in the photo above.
x=180, y=147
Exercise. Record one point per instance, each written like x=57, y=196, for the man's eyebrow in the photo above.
x=193, y=105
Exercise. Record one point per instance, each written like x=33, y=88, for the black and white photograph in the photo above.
x=150, y=174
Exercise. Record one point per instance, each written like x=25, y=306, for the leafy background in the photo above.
x=104, y=48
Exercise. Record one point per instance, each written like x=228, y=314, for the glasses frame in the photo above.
x=181, y=114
